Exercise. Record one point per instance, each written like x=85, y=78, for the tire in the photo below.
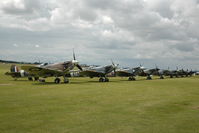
x=30, y=79
x=106, y=80
x=42, y=80
x=66, y=81
x=36, y=78
x=57, y=80
x=101, y=79
x=161, y=77
x=149, y=78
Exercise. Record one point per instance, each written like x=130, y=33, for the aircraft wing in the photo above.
x=91, y=73
x=43, y=72
x=123, y=73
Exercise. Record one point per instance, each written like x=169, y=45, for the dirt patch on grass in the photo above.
x=196, y=107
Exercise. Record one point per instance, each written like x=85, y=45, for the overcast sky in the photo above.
x=162, y=32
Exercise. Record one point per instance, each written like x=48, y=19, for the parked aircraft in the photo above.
x=54, y=70
x=148, y=72
x=99, y=71
x=129, y=72
x=162, y=72
x=186, y=73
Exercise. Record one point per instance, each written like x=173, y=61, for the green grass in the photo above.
x=87, y=106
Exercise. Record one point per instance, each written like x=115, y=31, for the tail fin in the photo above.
x=14, y=68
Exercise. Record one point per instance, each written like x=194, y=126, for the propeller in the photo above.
x=114, y=67
x=75, y=62
x=156, y=67
x=141, y=66
x=74, y=58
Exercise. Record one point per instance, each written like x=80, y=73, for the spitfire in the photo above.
x=64, y=69
x=132, y=73
x=54, y=70
x=100, y=71
x=129, y=72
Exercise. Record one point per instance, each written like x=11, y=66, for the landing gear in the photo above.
x=36, y=78
x=30, y=79
x=161, y=77
x=131, y=79
x=42, y=80
x=57, y=80
x=101, y=79
x=149, y=77
x=106, y=80
x=66, y=81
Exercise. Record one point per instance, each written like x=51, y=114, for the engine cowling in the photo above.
x=22, y=73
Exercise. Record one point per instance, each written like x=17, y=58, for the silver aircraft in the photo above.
x=148, y=72
x=99, y=71
x=129, y=72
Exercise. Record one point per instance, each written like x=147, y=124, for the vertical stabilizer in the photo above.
x=14, y=68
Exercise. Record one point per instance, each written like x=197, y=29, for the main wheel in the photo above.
x=66, y=81
x=101, y=79
x=42, y=80
x=106, y=80
x=36, y=78
x=30, y=79
x=130, y=79
x=161, y=77
x=149, y=78
x=57, y=80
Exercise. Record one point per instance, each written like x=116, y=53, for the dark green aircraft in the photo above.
x=53, y=70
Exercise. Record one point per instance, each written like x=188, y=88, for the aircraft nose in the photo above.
x=75, y=62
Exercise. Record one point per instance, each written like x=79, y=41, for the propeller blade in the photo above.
x=74, y=55
x=112, y=62
x=78, y=66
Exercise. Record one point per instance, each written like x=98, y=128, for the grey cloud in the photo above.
x=21, y=7
x=99, y=29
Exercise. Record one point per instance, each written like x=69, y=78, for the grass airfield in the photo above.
x=87, y=106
